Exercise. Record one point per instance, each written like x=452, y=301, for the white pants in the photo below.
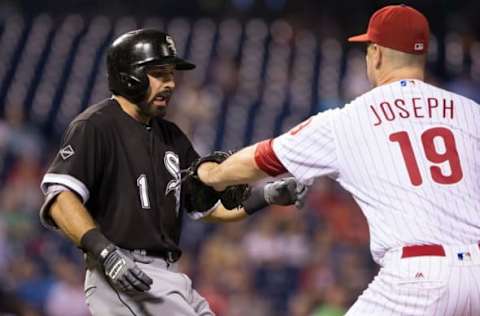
x=426, y=285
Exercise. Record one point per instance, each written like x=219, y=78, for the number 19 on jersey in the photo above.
x=432, y=154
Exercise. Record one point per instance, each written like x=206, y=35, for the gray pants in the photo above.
x=171, y=293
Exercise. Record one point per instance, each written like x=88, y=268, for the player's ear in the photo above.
x=377, y=56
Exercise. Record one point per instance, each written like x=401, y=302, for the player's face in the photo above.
x=162, y=84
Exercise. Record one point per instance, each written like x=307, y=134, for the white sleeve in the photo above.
x=51, y=192
x=308, y=150
x=66, y=181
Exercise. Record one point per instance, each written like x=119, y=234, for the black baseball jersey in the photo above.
x=127, y=174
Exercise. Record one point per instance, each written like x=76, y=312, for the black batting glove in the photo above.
x=123, y=272
x=120, y=269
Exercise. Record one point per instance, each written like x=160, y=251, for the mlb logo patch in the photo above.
x=404, y=83
x=463, y=256
x=418, y=47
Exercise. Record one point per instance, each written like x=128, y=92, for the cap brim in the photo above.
x=359, y=38
x=181, y=64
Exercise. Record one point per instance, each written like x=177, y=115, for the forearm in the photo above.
x=237, y=169
x=71, y=216
x=222, y=215
x=281, y=192
x=74, y=220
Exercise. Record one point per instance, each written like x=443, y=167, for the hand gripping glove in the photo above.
x=204, y=196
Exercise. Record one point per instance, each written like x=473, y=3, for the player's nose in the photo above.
x=169, y=83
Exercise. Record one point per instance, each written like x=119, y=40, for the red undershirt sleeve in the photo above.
x=267, y=160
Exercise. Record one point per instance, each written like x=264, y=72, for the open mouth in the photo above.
x=163, y=97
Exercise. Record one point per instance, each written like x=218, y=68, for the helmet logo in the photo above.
x=171, y=44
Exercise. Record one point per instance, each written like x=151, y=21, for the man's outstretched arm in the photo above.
x=245, y=166
x=286, y=191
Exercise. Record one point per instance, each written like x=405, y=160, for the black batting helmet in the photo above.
x=131, y=53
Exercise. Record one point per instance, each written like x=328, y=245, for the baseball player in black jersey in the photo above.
x=116, y=187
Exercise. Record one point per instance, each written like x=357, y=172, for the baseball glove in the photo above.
x=232, y=197
x=202, y=197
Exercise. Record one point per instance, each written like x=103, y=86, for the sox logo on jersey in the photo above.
x=172, y=164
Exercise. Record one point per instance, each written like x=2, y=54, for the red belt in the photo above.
x=423, y=250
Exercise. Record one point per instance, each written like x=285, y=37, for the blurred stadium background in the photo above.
x=262, y=67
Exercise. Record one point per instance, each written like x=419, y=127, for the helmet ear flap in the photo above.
x=130, y=81
x=136, y=85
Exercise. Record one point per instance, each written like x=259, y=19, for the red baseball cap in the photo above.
x=398, y=27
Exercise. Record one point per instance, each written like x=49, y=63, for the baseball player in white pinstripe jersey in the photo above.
x=409, y=154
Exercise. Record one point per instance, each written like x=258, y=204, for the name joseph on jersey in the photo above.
x=412, y=107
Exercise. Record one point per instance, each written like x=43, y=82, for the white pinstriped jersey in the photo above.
x=409, y=154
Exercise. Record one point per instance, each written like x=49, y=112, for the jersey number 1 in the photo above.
x=143, y=190
x=450, y=154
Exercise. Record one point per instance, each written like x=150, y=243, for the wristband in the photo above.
x=256, y=201
x=95, y=243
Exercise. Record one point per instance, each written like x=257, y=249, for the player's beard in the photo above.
x=150, y=109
